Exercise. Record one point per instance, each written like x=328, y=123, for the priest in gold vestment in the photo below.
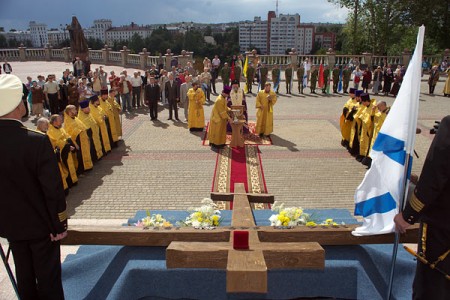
x=108, y=109
x=116, y=109
x=78, y=132
x=99, y=116
x=219, y=120
x=196, y=116
x=84, y=115
x=265, y=100
x=64, y=148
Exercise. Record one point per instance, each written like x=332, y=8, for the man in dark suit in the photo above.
x=33, y=209
x=152, y=96
x=173, y=96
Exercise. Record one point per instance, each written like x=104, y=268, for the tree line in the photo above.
x=387, y=27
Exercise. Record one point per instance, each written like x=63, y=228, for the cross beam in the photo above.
x=246, y=269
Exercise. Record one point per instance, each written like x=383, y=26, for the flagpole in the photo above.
x=397, y=234
x=8, y=270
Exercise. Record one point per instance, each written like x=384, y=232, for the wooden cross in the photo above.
x=270, y=248
x=246, y=269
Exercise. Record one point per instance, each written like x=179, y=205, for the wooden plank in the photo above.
x=293, y=255
x=246, y=272
x=333, y=235
x=252, y=198
x=242, y=211
x=135, y=236
x=197, y=255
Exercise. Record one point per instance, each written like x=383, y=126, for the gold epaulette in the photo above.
x=33, y=130
x=416, y=204
x=62, y=216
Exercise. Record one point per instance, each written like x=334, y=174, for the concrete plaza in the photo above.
x=160, y=165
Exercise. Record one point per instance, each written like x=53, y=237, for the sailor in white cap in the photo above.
x=33, y=209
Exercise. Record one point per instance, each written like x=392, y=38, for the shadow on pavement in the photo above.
x=279, y=141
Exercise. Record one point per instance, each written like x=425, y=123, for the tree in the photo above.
x=3, y=42
x=208, y=31
x=94, y=44
x=136, y=43
x=386, y=24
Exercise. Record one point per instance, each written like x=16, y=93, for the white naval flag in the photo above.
x=378, y=196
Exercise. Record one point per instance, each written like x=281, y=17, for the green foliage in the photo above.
x=136, y=43
x=389, y=26
x=94, y=44
x=3, y=42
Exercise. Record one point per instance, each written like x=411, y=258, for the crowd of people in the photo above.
x=360, y=122
x=80, y=115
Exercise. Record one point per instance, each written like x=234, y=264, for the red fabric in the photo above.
x=321, y=76
x=238, y=169
x=232, y=76
x=240, y=239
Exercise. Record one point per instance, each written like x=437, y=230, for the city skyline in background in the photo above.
x=17, y=15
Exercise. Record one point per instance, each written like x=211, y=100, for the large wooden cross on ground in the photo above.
x=269, y=248
x=246, y=269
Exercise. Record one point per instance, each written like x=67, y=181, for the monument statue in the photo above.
x=78, y=42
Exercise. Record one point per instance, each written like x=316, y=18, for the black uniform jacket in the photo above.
x=32, y=201
x=431, y=199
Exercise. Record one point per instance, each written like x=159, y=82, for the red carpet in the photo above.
x=239, y=165
x=249, y=139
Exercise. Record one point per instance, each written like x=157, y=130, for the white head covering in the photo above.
x=11, y=92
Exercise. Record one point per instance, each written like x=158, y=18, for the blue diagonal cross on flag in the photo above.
x=378, y=196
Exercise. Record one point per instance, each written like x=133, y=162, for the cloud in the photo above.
x=161, y=11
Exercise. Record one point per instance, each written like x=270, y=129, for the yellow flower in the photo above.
x=311, y=224
x=200, y=219
x=329, y=221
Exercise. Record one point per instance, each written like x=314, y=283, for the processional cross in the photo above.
x=269, y=248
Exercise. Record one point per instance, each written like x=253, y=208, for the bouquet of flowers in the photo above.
x=206, y=216
x=327, y=222
x=153, y=221
x=288, y=217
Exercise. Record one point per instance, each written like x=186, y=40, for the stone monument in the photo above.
x=78, y=42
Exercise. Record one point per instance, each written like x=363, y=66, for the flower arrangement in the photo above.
x=327, y=222
x=288, y=217
x=156, y=220
x=206, y=216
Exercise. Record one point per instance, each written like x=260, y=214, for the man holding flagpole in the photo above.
x=430, y=204
x=380, y=196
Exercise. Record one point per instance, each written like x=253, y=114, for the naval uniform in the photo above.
x=33, y=206
x=431, y=205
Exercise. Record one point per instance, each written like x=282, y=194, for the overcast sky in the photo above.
x=18, y=13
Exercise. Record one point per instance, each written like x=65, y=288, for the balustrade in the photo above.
x=95, y=55
x=35, y=54
x=9, y=54
x=57, y=54
x=152, y=60
x=133, y=59
x=115, y=56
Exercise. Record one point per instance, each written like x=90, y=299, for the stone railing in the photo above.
x=331, y=59
x=143, y=60
x=36, y=54
x=96, y=56
x=57, y=54
x=9, y=54
x=123, y=58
